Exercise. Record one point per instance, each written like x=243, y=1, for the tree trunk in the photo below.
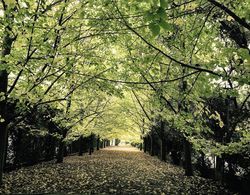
x=219, y=169
x=152, y=145
x=49, y=148
x=163, y=149
x=107, y=143
x=91, y=144
x=141, y=146
x=231, y=171
x=6, y=149
x=188, y=158
x=60, y=153
x=61, y=149
x=98, y=143
x=163, y=142
x=145, y=144
x=6, y=48
x=81, y=145
x=3, y=138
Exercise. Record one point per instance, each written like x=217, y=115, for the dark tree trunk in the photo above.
x=98, y=143
x=91, y=144
x=145, y=144
x=71, y=148
x=6, y=48
x=90, y=151
x=141, y=146
x=163, y=149
x=175, y=157
x=62, y=148
x=203, y=168
x=3, y=136
x=163, y=142
x=49, y=148
x=231, y=171
x=219, y=169
x=60, y=153
x=81, y=145
x=152, y=145
x=188, y=158
x=6, y=149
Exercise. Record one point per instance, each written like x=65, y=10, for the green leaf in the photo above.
x=244, y=53
x=165, y=25
x=149, y=16
x=155, y=28
x=161, y=13
x=164, y=3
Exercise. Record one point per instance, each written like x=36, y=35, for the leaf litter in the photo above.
x=107, y=172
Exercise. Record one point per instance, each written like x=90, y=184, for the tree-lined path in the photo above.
x=114, y=170
x=170, y=77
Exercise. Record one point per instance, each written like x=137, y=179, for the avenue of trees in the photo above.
x=171, y=76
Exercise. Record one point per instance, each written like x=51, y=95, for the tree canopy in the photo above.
x=119, y=68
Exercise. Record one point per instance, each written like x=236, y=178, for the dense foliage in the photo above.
x=173, y=74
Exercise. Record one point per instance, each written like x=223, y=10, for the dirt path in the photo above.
x=115, y=170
